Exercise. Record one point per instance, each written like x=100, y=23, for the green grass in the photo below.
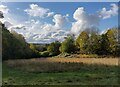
x=86, y=75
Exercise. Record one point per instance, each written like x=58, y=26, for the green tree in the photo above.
x=112, y=40
x=94, y=43
x=14, y=45
x=104, y=45
x=53, y=48
x=82, y=41
x=68, y=45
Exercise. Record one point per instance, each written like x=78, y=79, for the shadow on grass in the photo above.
x=42, y=73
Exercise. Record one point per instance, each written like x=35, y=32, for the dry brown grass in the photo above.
x=60, y=64
x=105, y=61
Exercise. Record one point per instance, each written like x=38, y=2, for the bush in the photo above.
x=44, y=54
x=62, y=55
x=38, y=47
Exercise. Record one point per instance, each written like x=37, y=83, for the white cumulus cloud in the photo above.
x=50, y=14
x=104, y=13
x=90, y=22
x=36, y=31
x=36, y=10
x=83, y=21
x=4, y=9
x=60, y=21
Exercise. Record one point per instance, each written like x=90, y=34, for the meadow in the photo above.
x=61, y=71
x=58, y=56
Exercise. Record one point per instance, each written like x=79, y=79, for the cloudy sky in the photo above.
x=47, y=22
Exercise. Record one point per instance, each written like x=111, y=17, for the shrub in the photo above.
x=44, y=54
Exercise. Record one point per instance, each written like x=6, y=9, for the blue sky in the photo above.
x=64, y=11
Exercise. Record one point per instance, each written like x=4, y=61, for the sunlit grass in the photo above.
x=61, y=71
x=70, y=74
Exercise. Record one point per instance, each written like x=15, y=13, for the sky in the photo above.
x=46, y=22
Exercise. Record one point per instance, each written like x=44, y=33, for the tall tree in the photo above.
x=14, y=46
x=53, y=48
x=82, y=41
x=94, y=43
x=112, y=35
x=68, y=45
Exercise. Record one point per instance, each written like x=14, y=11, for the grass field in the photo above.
x=60, y=72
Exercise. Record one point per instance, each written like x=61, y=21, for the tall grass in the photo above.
x=51, y=65
x=32, y=66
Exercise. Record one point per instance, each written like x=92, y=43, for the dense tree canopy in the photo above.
x=14, y=45
x=68, y=45
x=82, y=41
x=94, y=43
x=53, y=48
x=112, y=40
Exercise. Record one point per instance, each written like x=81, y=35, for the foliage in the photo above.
x=44, y=54
x=53, y=48
x=94, y=43
x=62, y=55
x=112, y=40
x=68, y=45
x=38, y=47
x=82, y=41
x=14, y=45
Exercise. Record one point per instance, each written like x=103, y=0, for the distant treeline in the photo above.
x=88, y=43
x=14, y=45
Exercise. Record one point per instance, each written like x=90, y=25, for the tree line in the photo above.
x=14, y=45
x=93, y=43
x=85, y=43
